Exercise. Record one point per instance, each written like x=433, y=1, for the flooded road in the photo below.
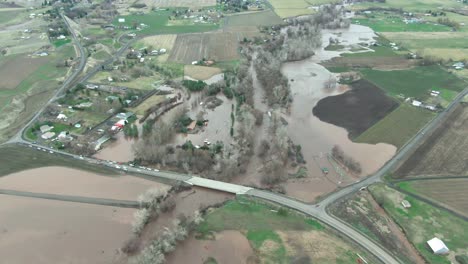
x=43, y=231
x=66, y=181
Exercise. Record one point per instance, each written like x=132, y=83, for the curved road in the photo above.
x=317, y=211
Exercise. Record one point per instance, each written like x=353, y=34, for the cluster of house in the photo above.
x=47, y=134
x=123, y=121
x=140, y=54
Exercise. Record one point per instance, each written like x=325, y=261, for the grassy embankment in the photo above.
x=422, y=222
x=261, y=223
x=22, y=158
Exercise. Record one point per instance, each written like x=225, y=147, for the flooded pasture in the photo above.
x=45, y=231
x=66, y=181
x=307, y=80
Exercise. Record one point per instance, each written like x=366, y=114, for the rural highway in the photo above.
x=317, y=210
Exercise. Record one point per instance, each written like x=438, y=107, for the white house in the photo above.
x=437, y=246
x=62, y=117
x=121, y=20
x=162, y=51
x=61, y=37
x=435, y=93
x=405, y=204
x=416, y=103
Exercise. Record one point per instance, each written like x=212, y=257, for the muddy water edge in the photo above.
x=317, y=138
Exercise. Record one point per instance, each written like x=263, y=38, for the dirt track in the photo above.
x=356, y=110
x=444, y=152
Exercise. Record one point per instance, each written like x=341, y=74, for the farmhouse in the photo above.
x=48, y=135
x=435, y=93
x=459, y=65
x=121, y=20
x=192, y=125
x=416, y=103
x=62, y=117
x=46, y=128
x=438, y=246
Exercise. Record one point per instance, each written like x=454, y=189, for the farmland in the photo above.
x=357, y=109
x=444, y=153
x=363, y=213
x=422, y=222
x=151, y=101
x=416, y=82
x=263, y=18
x=397, y=127
x=420, y=6
x=10, y=77
x=179, y=3
x=394, y=23
x=277, y=235
x=20, y=102
x=443, y=45
x=200, y=72
x=157, y=23
x=211, y=46
x=292, y=8
x=450, y=193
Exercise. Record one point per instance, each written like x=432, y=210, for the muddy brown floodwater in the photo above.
x=317, y=138
x=66, y=181
x=44, y=231
x=119, y=150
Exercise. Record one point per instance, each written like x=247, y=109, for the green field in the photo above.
x=158, y=24
x=264, y=18
x=422, y=222
x=260, y=222
x=397, y=127
x=384, y=23
x=416, y=82
x=379, y=51
x=406, y=5
x=23, y=158
x=10, y=15
x=61, y=42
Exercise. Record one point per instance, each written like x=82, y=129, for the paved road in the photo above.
x=74, y=199
x=318, y=210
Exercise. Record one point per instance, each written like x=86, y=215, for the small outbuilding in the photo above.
x=45, y=128
x=405, y=204
x=438, y=246
x=48, y=135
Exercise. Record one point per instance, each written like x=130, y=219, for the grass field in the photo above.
x=422, y=222
x=23, y=158
x=397, y=127
x=386, y=23
x=291, y=8
x=444, y=152
x=270, y=233
x=157, y=24
x=178, y=3
x=450, y=193
x=263, y=18
x=151, y=101
x=200, y=72
x=10, y=15
x=420, y=6
x=61, y=42
x=416, y=82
